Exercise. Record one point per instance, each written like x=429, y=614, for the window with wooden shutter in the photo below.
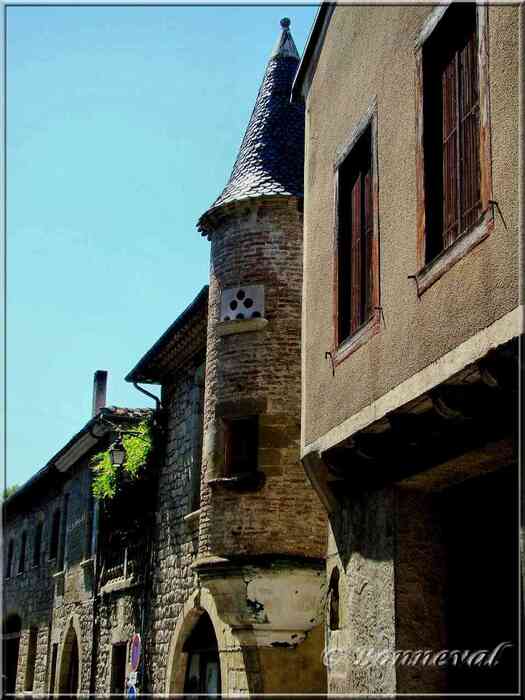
x=355, y=238
x=451, y=110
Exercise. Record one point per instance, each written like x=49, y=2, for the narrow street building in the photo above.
x=69, y=589
x=411, y=324
x=239, y=573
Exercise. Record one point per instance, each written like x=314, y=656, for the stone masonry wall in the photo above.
x=118, y=616
x=38, y=595
x=175, y=539
x=73, y=597
x=361, y=546
x=29, y=594
x=259, y=243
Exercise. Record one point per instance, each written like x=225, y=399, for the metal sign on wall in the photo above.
x=135, y=659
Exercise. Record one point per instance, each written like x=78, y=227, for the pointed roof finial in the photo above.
x=285, y=45
x=271, y=158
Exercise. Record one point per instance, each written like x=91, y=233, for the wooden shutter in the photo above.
x=450, y=151
x=355, y=255
x=368, y=228
x=470, y=190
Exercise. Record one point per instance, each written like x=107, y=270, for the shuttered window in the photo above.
x=452, y=137
x=355, y=239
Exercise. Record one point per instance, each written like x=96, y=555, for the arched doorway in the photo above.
x=69, y=665
x=10, y=646
x=203, y=671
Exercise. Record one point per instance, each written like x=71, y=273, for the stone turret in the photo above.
x=261, y=537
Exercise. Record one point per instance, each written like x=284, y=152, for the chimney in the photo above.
x=100, y=381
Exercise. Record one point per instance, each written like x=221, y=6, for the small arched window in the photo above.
x=333, y=600
x=37, y=545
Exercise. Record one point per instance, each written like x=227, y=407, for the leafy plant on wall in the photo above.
x=109, y=481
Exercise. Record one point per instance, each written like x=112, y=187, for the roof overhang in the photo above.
x=152, y=367
x=77, y=447
x=314, y=44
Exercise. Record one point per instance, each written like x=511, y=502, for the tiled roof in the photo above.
x=271, y=157
x=188, y=329
x=50, y=476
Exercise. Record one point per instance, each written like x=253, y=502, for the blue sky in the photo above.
x=122, y=127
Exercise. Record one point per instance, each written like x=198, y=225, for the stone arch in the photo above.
x=11, y=632
x=199, y=603
x=70, y=660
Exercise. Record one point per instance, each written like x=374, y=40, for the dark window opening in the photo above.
x=355, y=238
x=197, y=433
x=119, y=662
x=333, y=598
x=10, y=555
x=31, y=659
x=54, y=659
x=10, y=648
x=22, y=560
x=37, y=547
x=203, y=672
x=240, y=445
x=55, y=534
x=451, y=127
x=62, y=558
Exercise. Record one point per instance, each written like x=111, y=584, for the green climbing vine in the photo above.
x=107, y=478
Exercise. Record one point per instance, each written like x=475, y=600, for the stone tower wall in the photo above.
x=258, y=372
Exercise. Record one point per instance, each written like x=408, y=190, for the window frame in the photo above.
x=22, y=559
x=10, y=558
x=344, y=347
x=228, y=433
x=429, y=272
x=54, y=534
x=37, y=543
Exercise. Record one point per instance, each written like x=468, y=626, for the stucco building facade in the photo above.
x=411, y=324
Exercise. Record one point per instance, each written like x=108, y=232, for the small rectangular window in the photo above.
x=10, y=555
x=22, y=560
x=240, y=445
x=118, y=668
x=31, y=659
x=62, y=553
x=55, y=535
x=37, y=546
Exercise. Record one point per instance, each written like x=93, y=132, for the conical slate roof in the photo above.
x=271, y=157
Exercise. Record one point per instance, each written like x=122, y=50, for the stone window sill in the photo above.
x=241, y=326
x=192, y=518
x=87, y=564
x=447, y=258
x=120, y=584
x=248, y=481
